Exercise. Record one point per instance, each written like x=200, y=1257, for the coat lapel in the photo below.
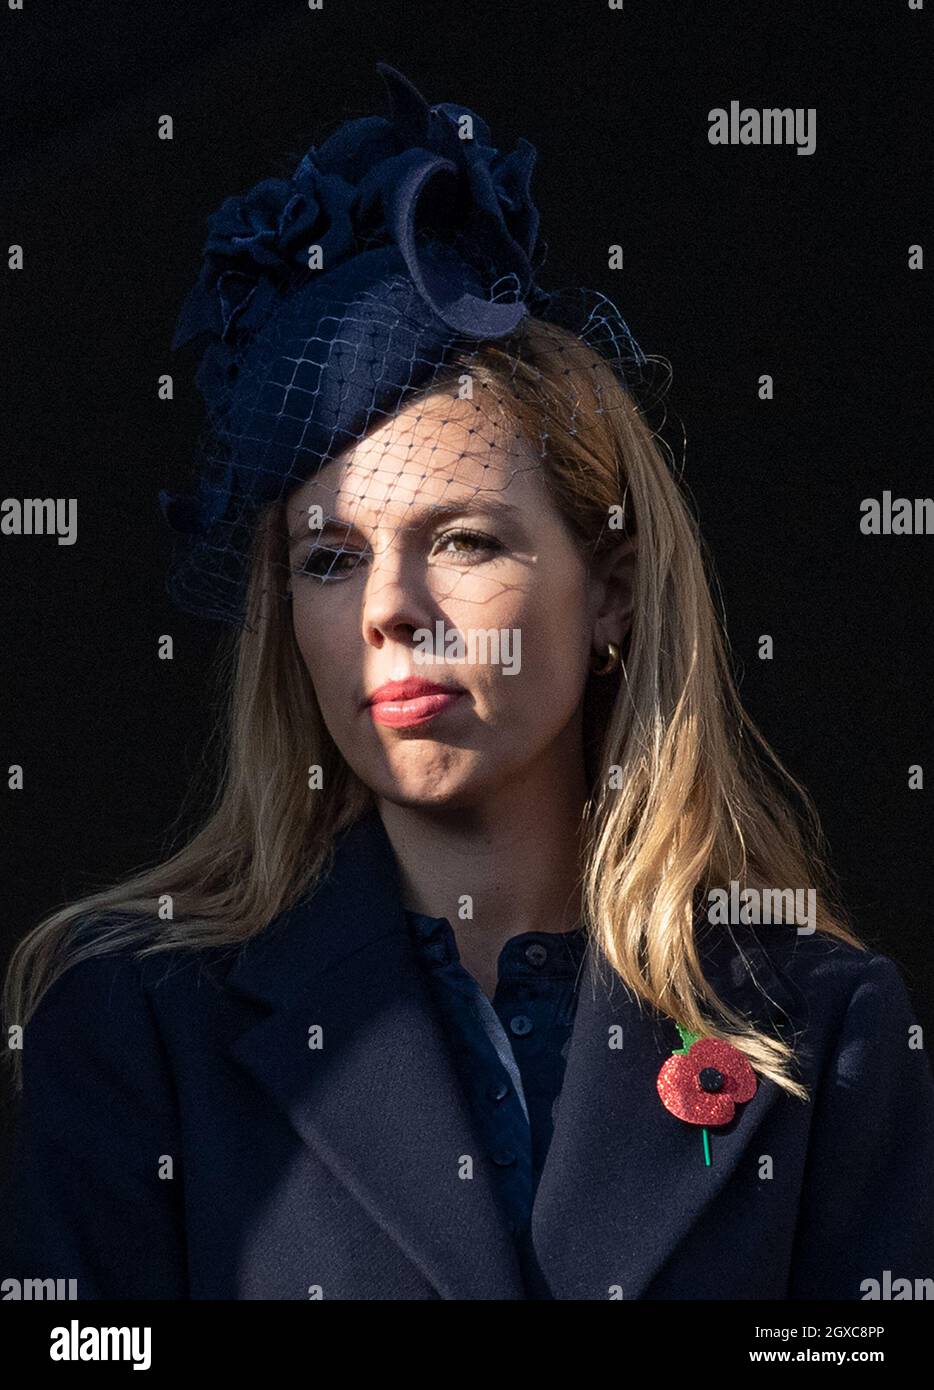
x=381, y=1104
x=624, y=1180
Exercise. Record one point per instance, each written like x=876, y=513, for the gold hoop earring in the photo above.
x=611, y=663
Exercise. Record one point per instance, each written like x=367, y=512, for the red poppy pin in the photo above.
x=703, y=1081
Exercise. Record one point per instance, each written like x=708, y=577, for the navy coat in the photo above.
x=300, y=1172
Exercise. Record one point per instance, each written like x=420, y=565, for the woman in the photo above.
x=442, y=1001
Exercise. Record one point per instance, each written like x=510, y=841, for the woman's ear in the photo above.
x=613, y=586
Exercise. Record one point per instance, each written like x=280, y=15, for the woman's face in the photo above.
x=389, y=569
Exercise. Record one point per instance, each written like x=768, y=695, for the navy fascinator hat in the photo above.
x=328, y=299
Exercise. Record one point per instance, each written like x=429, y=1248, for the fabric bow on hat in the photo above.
x=377, y=180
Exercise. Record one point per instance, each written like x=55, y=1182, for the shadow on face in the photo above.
x=432, y=550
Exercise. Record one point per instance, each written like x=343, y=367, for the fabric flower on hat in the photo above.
x=265, y=233
x=375, y=181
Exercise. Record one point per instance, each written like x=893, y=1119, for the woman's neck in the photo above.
x=510, y=866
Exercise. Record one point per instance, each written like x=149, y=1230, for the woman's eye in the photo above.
x=323, y=562
x=327, y=563
x=475, y=538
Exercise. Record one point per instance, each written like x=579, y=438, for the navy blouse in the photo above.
x=510, y=1053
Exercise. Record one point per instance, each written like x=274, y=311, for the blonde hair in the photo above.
x=694, y=808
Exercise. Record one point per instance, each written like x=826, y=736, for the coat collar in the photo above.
x=381, y=1105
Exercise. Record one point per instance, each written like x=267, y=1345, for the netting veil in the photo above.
x=344, y=317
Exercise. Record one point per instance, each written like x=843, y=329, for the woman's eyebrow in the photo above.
x=432, y=513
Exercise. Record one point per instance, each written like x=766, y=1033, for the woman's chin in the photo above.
x=430, y=794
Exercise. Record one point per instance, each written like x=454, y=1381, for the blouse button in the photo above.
x=536, y=954
x=498, y=1090
x=503, y=1158
x=521, y=1025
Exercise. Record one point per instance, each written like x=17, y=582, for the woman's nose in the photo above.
x=396, y=597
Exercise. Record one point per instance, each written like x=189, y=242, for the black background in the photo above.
x=738, y=261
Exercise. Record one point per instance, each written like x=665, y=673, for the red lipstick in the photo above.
x=399, y=704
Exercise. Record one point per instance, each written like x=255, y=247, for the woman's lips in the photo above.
x=399, y=714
